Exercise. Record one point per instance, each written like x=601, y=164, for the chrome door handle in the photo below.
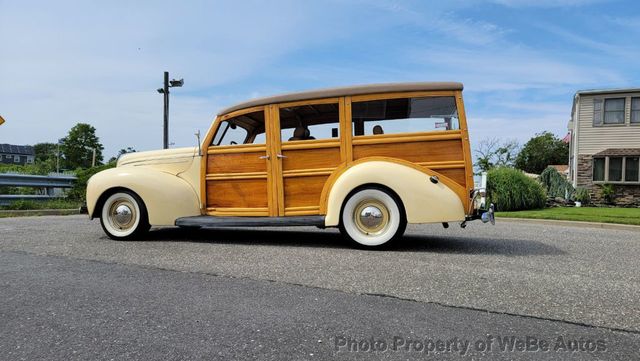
x=264, y=157
x=281, y=156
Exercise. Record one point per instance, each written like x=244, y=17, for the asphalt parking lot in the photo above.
x=70, y=291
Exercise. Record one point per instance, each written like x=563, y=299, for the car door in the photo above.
x=238, y=175
x=307, y=147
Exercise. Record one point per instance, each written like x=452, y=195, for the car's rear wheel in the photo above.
x=372, y=217
x=124, y=216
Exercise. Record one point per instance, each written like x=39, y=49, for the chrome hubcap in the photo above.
x=122, y=214
x=371, y=217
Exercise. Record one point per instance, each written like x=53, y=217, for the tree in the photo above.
x=491, y=153
x=121, y=152
x=77, y=148
x=540, y=151
x=46, y=156
x=45, y=151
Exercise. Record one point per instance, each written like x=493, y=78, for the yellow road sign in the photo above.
x=1, y=120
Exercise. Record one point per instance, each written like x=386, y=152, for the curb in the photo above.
x=553, y=222
x=38, y=212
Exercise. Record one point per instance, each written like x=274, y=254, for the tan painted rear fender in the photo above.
x=166, y=196
x=424, y=201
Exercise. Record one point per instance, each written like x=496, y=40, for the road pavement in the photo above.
x=71, y=293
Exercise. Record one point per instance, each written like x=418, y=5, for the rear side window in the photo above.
x=404, y=115
x=309, y=122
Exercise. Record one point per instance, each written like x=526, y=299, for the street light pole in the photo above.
x=165, y=92
x=165, y=138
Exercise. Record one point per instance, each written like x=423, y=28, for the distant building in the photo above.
x=605, y=143
x=562, y=169
x=17, y=154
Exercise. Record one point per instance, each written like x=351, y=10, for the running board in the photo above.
x=216, y=221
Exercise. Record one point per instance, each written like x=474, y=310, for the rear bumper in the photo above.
x=485, y=215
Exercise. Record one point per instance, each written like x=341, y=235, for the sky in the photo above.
x=100, y=62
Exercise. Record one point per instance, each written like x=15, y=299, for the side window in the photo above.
x=243, y=129
x=308, y=122
x=404, y=115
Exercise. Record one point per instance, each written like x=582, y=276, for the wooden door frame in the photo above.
x=240, y=148
x=278, y=147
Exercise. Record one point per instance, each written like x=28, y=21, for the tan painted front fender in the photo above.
x=424, y=201
x=166, y=196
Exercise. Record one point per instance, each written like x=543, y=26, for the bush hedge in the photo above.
x=556, y=184
x=511, y=190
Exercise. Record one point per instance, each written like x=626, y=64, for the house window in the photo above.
x=30, y=160
x=16, y=159
x=615, y=169
x=635, y=110
x=598, y=169
x=631, y=171
x=614, y=111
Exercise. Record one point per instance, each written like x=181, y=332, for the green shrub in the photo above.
x=79, y=190
x=608, y=193
x=556, y=184
x=60, y=203
x=21, y=205
x=582, y=195
x=511, y=190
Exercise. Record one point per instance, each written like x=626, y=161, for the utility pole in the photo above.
x=165, y=92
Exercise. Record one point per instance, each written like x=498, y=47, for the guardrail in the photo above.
x=48, y=182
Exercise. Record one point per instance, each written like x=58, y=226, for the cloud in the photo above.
x=546, y=3
x=510, y=68
x=102, y=62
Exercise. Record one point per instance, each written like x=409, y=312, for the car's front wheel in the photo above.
x=124, y=216
x=372, y=217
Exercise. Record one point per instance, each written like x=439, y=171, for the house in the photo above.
x=17, y=154
x=562, y=169
x=605, y=143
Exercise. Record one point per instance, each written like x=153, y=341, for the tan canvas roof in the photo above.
x=344, y=91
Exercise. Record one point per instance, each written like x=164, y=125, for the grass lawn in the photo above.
x=585, y=214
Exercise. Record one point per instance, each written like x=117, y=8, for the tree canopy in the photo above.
x=492, y=153
x=77, y=147
x=541, y=151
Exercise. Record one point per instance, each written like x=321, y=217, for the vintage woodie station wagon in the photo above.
x=367, y=159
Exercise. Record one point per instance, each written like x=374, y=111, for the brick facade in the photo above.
x=626, y=194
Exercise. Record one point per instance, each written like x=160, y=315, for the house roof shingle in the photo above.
x=17, y=149
x=618, y=152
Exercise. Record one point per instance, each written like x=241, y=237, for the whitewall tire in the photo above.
x=372, y=217
x=124, y=216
